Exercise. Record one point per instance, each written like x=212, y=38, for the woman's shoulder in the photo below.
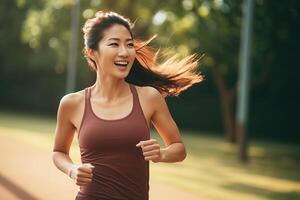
x=72, y=99
x=148, y=92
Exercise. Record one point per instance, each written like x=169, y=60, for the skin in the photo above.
x=109, y=95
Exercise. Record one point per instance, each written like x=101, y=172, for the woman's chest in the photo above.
x=112, y=112
x=112, y=134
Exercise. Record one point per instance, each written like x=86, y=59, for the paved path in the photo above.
x=27, y=173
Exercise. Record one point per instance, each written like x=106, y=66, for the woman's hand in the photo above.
x=151, y=150
x=82, y=174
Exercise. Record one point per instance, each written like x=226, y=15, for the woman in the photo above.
x=113, y=117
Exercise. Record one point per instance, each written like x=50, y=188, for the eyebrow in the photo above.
x=118, y=39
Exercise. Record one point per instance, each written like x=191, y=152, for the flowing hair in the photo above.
x=170, y=77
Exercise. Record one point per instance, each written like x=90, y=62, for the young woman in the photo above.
x=113, y=116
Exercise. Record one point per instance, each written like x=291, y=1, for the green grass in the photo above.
x=211, y=169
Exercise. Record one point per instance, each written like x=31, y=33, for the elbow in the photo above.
x=181, y=155
x=56, y=156
x=184, y=154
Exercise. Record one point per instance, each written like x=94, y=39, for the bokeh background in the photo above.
x=35, y=40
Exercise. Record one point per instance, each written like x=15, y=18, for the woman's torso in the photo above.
x=109, y=144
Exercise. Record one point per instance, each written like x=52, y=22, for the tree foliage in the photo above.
x=35, y=36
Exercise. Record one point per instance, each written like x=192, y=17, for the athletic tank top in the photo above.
x=120, y=172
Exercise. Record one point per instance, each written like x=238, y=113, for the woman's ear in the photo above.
x=90, y=53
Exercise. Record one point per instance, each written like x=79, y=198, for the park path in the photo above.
x=27, y=173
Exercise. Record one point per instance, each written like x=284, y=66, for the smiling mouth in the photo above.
x=121, y=64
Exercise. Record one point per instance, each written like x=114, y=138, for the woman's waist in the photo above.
x=118, y=183
x=119, y=167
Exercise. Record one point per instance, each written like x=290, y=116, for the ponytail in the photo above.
x=170, y=78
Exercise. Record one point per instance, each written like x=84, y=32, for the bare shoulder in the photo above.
x=70, y=109
x=72, y=100
x=149, y=93
x=151, y=100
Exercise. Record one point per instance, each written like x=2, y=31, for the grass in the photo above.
x=211, y=169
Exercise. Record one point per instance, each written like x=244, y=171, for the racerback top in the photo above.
x=120, y=172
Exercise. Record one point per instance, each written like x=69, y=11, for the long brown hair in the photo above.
x=170, y=78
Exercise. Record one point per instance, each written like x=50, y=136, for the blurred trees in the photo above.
x=34, y=39
x=213, y=27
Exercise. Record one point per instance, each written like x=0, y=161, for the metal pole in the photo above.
x=244, y=76
x=73, y=48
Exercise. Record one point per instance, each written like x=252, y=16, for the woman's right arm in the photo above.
x=64, y=134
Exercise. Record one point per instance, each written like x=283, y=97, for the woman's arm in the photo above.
x=167, y=129
x=64, y=134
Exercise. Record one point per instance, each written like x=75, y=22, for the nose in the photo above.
x=123, y=51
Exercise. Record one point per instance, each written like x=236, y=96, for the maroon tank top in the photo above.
x=110, y=145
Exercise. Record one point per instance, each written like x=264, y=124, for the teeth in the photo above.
x=121, y=62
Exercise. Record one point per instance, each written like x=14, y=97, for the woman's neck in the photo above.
x=110, y=89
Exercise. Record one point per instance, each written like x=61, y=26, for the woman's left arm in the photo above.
x=168, y=130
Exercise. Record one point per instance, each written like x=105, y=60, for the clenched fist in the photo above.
x=151, y=150
x=82, y=174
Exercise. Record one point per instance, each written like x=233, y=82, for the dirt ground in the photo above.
x=27, y=173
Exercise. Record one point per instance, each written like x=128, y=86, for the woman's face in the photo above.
x=116, y=53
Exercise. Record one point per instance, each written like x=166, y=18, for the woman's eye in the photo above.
x=130, y=44
x=113, y=44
